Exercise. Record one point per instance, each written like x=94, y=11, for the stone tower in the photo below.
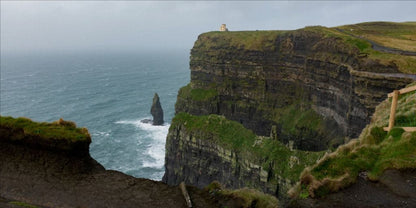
x=223, y=28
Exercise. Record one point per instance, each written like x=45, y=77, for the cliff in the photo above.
x=258, y=78
x=294, y=91
x=48, y=165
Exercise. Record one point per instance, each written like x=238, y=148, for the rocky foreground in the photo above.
x=49, y=171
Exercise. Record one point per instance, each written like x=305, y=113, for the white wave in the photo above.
x=157, y=135
x=132, y=122
x=157, y=147
x=101, y=133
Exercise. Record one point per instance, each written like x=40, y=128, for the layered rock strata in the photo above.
x=304, y=69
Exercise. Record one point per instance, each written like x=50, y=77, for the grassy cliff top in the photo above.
x=390, y=34
x=374, y=152
x=19, y=129
x=249, y=40
x=357, y=37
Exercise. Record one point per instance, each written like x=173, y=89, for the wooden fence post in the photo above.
x=182, y=186
x=393, y=109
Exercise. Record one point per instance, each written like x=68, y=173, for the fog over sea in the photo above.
x=107, y=93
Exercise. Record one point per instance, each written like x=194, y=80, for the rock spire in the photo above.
x=157, y=111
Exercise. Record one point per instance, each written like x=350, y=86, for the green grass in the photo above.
x=300, y=121
x=248, y=197
x=197, y=94
x=248, y=40
x=60, y=130
x=396, y=150
x=406, y=111
x=228, y=133
x=286, y=163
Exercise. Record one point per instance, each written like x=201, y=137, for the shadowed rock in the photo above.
x=157, y=111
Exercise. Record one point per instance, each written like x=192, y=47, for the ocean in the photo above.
x=107, y=93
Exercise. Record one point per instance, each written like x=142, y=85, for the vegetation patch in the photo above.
x=198, y=94
x=300, y=121
x=58, y=130
x=248, y=40
x=228, y=133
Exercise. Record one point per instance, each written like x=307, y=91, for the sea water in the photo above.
x=109, y=93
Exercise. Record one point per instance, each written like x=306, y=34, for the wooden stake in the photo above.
x=182, y=186
x=393, y=109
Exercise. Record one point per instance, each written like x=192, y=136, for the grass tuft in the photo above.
x=249, y=197
x=58, y=130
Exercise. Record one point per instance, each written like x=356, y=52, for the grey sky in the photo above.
x=139, y=25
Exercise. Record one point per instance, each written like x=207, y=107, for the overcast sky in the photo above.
x=140, y=25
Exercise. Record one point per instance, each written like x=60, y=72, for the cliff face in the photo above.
x=202, y=149
x=308, y=89
x=255, y=85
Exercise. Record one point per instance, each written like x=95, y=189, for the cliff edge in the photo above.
x=49, y=165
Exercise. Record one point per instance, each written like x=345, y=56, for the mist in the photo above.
x=117, y=26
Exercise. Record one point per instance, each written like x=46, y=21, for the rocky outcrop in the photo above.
x=157, y=111
x=59, y=174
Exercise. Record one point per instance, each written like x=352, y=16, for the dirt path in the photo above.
x=399, y=75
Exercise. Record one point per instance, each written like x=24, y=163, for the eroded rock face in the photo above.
x=157, y=111
x=199, y=161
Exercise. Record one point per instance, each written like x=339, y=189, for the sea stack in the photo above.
x=157, y=111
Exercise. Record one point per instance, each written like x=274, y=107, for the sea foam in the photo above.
x=156, y=137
